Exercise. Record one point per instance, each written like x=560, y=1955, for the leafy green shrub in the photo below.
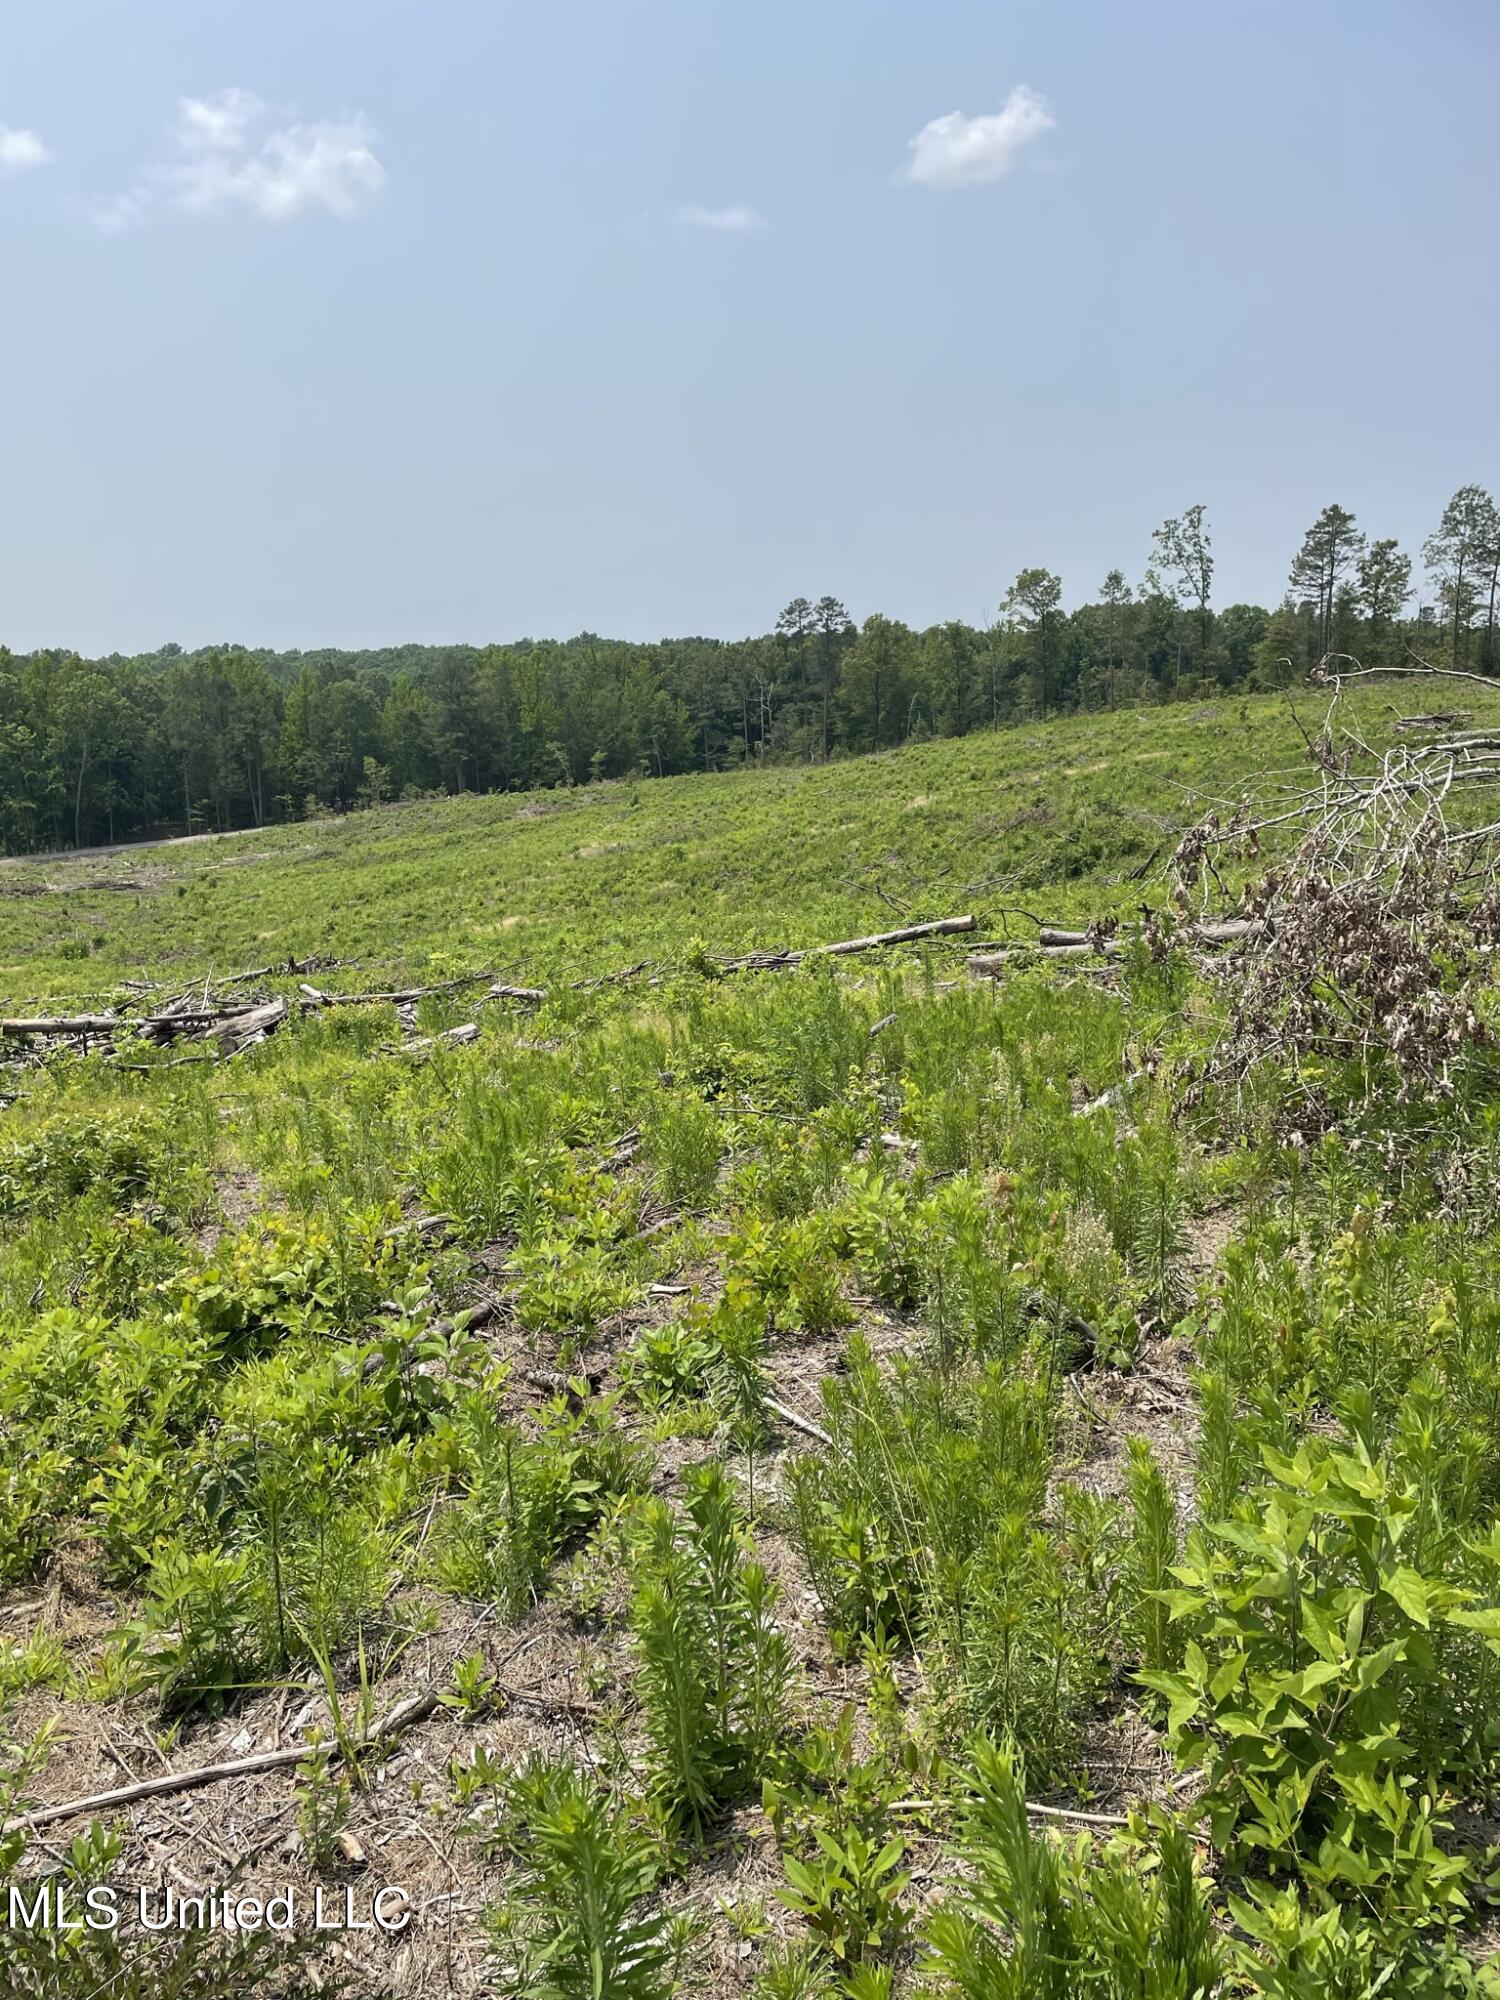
x=295, y=1277
x=881, y=1226
x=524, y=1496
x=194, y=1639
x=301, y=1572
x=848, y=1891
x=567, y=1287
x=831, y=1811
x=793, y=1268
x=710, y=1356
x=76, y=1394
x=1327, y=1682
x=668, y=1364
x=122, y=1155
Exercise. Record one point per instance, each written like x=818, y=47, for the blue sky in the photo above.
x=357, y=321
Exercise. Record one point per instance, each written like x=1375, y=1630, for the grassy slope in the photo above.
x=134, y=1192
x=552, y=882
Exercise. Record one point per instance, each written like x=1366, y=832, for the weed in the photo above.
x=585, y=1925
x=712, y=1665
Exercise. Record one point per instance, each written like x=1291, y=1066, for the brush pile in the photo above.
x=1369, y=952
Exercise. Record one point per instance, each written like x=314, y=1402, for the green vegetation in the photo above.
x=95, y=751
x=890, y=1482
x=574, y=883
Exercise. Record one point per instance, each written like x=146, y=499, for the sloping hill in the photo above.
x=548, y=883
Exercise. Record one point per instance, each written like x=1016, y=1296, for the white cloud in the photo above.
x=226, y=155
x=955, y=151
x=326, y=165
x=738, y=217
x=20, y=150
x=221, y=122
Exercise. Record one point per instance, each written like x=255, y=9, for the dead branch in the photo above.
x=797, y=1421
x=414, y=1709
x=534, y=994
x=1054, y=943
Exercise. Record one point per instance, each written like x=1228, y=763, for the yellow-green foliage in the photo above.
x=238, y=1377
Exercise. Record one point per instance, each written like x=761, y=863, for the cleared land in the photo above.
x=544, y=883
x=698, y=1428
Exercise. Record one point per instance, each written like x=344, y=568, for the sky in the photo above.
x=352, y=322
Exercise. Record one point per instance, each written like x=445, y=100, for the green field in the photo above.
x=546, y=883
x=904, y=1482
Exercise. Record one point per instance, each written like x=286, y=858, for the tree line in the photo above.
x=99, y=750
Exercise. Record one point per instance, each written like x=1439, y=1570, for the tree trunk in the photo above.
x=1458, y=598
x=83, y=765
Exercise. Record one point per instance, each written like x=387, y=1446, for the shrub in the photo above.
x=1326, y=1683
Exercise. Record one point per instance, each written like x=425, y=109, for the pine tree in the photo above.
x=1329, y=548
x=1458, y=556
x=1383, y=586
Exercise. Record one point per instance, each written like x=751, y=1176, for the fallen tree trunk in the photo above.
x=62, y=1024
x=776, y=961
x=450, y=1037
x=1055, y=943
x=940, y=927
x=317, y=998
x=243, y=1030
x=154, y=1027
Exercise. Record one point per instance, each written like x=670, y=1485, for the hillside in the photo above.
x=899, y=1479
x=544, y=884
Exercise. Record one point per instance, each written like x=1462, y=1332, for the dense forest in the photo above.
x=110, y=749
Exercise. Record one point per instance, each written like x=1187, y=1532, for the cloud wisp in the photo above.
x=955, y=151
x=227, y=155
x=738, y=219
x=21, y=150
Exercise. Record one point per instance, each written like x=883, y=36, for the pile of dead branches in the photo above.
x=1374, y=933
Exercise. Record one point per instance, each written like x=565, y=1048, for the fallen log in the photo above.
x=153, y=1027
x=62, y=1024
x=777, y=960
x=468, y=1031
x=241, y=1030
x=1055, y=943
x=940, y=927
x=535, y=994
x=403, y=998
x=997, y=961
